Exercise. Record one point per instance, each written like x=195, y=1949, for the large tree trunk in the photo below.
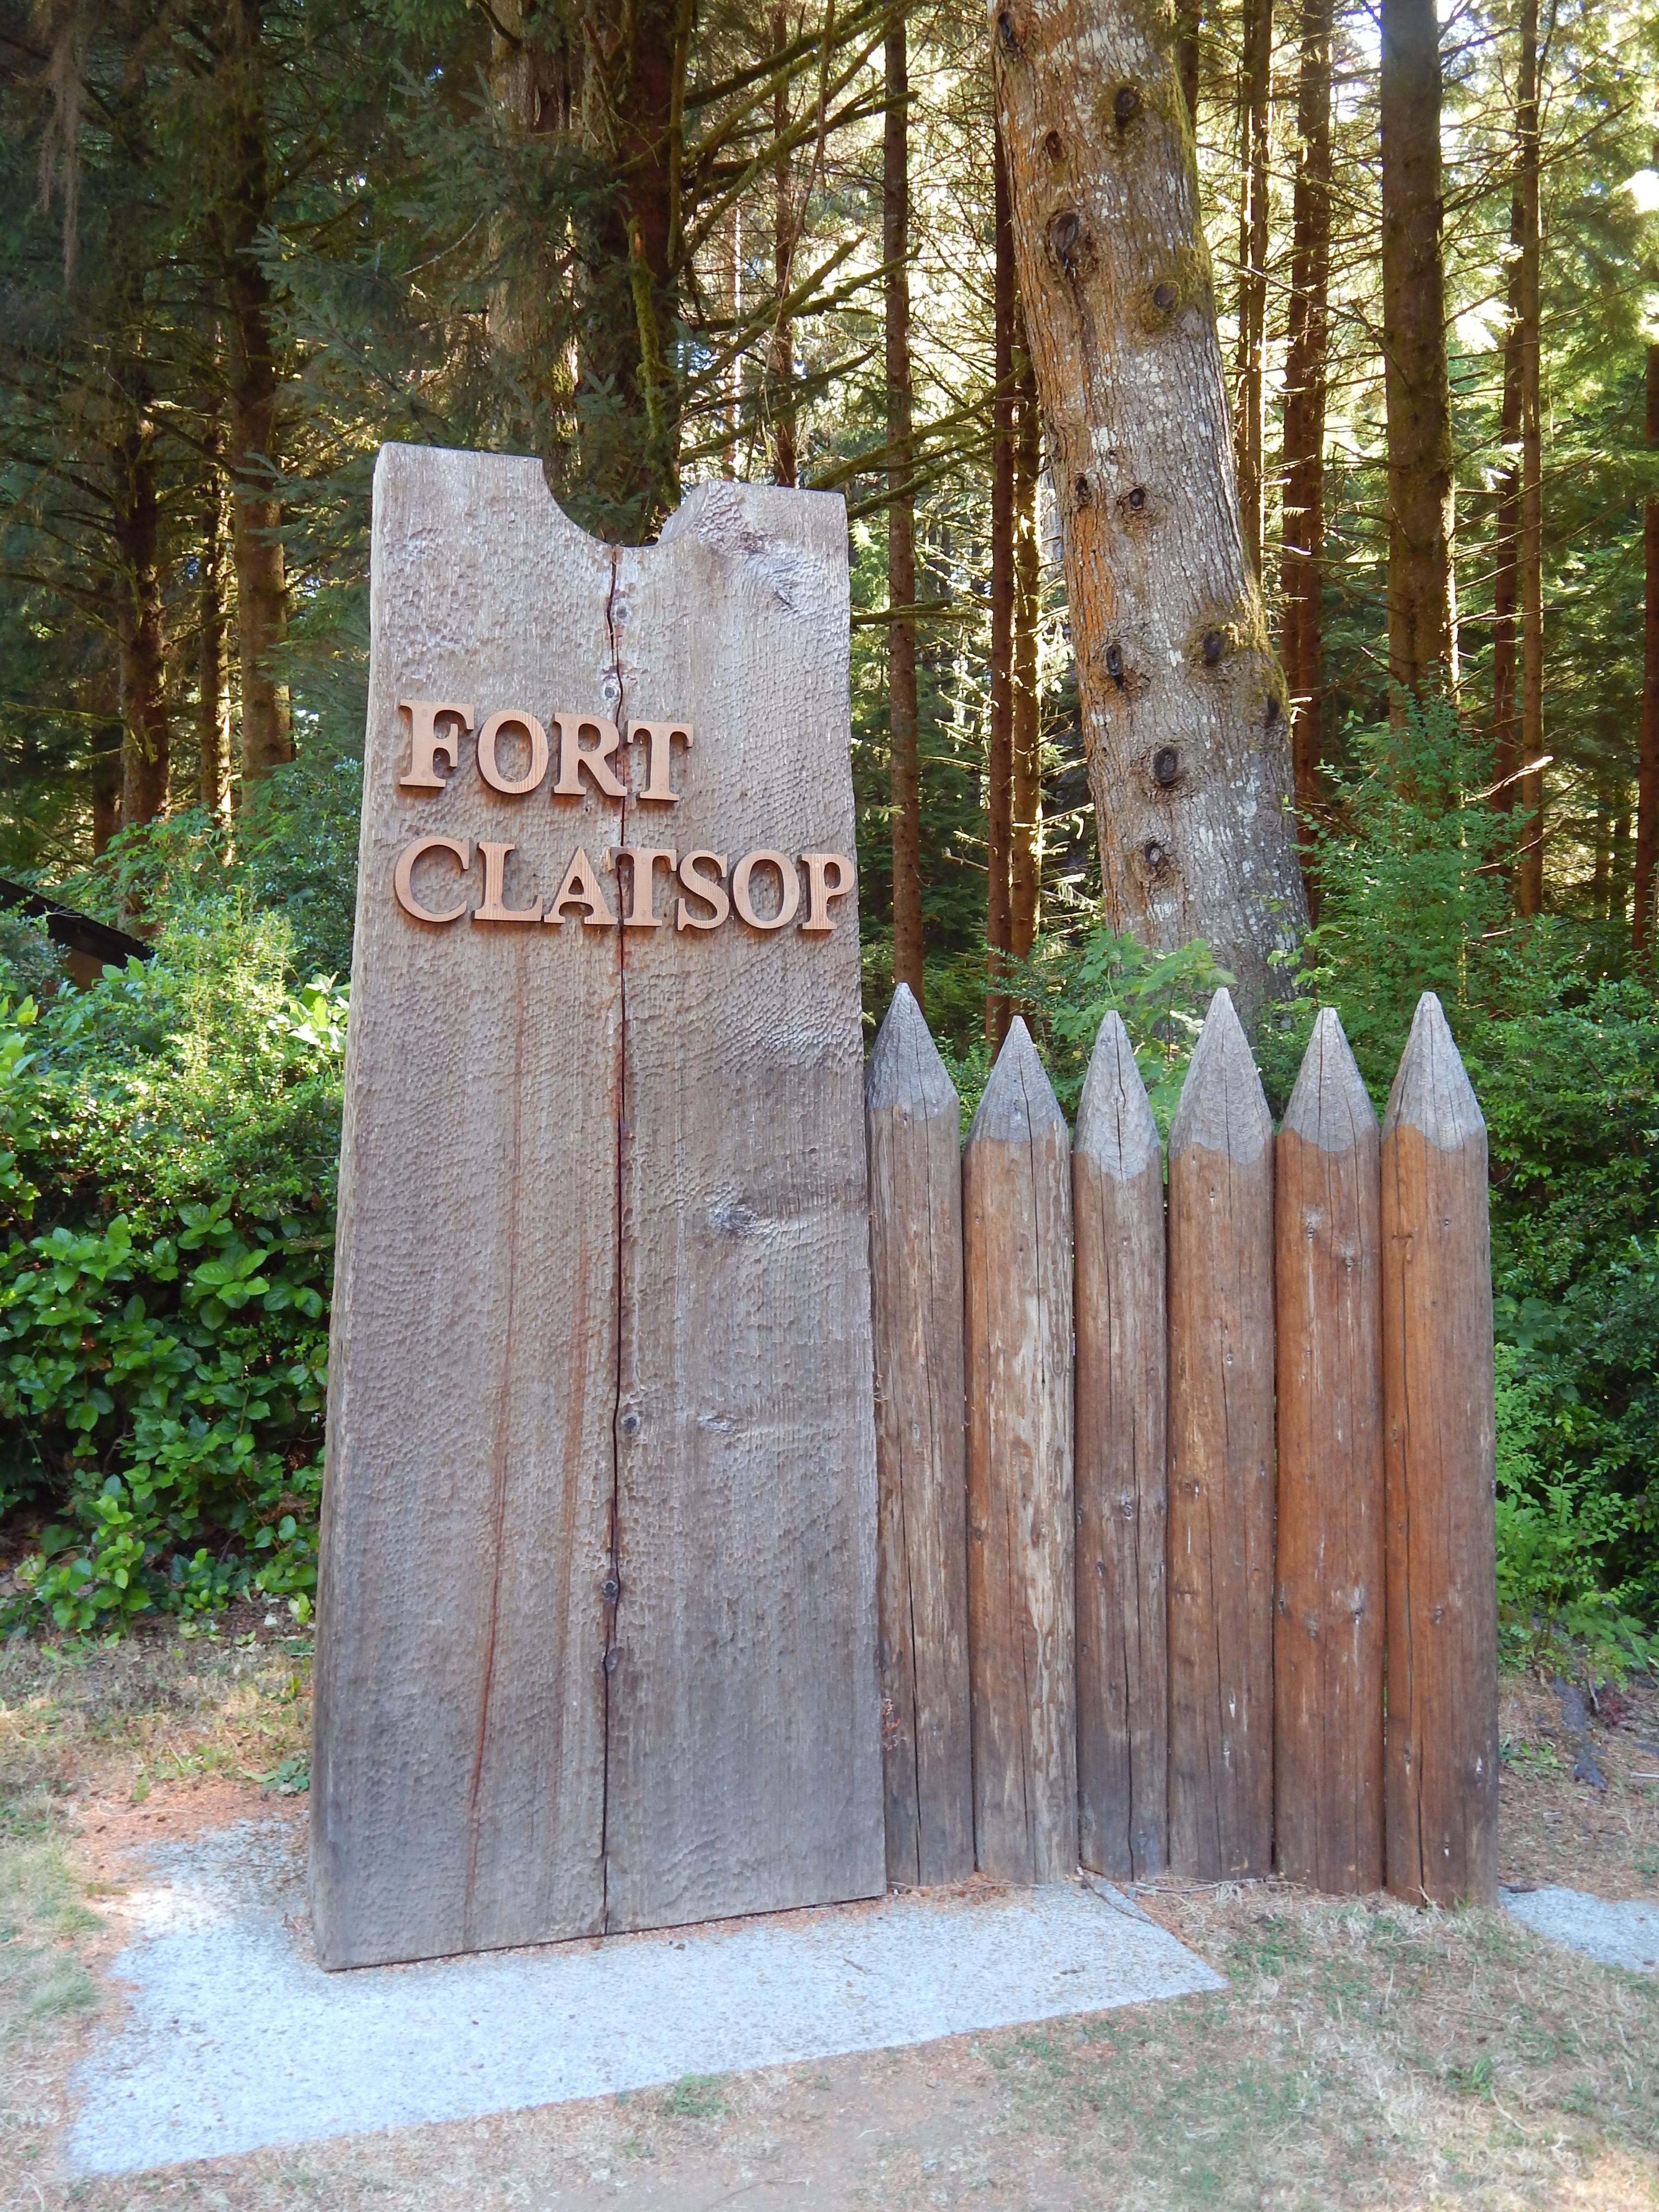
x=1302, y=563
x=1185, y=731
x=781, y=356
x=1417, y=388
x=145, y=740
x=1647, y=776
x=257, y=512
x=1256, y=123
x=1025, y=859
x=904, y=764
x=212, y=692
x=999, y=760
x=1529, y=874
x=1189, y=24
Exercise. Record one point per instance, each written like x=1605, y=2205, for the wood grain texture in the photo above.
x=1016, y=1210
x=1328, y=1635
x=1123, y=1469
x=914, y=1124
x=1221, y=1462
x=602, y=1295
x=1441, y=1763
x=744, y=1770
x=458, y=1785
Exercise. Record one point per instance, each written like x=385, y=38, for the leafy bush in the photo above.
x=168, y=1151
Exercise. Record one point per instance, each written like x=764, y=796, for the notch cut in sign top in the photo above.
x=432, y=730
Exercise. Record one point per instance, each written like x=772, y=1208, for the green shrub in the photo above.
x=167, y=1157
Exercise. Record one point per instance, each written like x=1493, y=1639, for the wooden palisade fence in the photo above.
x=1186, y=1552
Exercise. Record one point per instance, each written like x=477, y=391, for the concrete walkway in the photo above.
x=234, y=2038
x=1619, y=1932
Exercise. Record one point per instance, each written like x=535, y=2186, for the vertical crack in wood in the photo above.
x=608, y=1661
x=501, y=1444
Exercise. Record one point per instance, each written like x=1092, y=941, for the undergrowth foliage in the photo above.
x=168, y=1151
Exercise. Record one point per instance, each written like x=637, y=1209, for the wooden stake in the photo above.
x=914, y=1124
x=1123, y=1469
x=1328, y=1634
x=1221, y=1462
x=1442, y=1755
x=1018, y=1222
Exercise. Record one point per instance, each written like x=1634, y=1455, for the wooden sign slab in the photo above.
x=597, y=1620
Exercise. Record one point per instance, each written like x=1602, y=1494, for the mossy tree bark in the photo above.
x=1255, y=124
x=139, y=622
x=1185, y=730
x=904, y=768
x=999, y=750
x=1647, y=781
x=1025, y=861
x=1529, y=872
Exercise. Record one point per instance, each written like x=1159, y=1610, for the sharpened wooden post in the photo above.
x=1123, y=1469
x=914, y=1124
x=1327, y=1637
x=1441, y=1749
x=1221, y=1462
x=1016, y=1206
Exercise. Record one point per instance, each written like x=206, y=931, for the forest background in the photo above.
x=242, y=243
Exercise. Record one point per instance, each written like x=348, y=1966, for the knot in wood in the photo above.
x=1153, y=854
x=1114, y=664
x=1164, y=296
x=1214, y=645
x=1137, y=499
x=1166, y=766
x=1272, y=711
x=1054, y=146
x=611, y=1590
x=1065, y=240
x=1083, y=492
x=1008, y=31
x=629, y=1424
x=1125, y=105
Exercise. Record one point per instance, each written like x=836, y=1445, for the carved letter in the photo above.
x=829, y=876
x=708, y=888
x=511, y=719
x=642, y=901
x=403, y=875
x=582, y=887
x=789, y=888
x=660, y=736
x=425, y=744
x=574, y=756
x=494, y=860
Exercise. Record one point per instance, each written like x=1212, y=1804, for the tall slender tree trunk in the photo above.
x=1255, y=128
x=999, y=763
x=106, y=779
x=212, y=691
x=904, y=767
x=1647, y=775
x=1416, y=382
x=146, y=736
x=1506, y=580
x=1529, y=874
x=257, y=512
x=1185, y=732
x=1025, y=860
x=732, y=243
x=1189, y=25
x=1302, y=563
x=780, y=355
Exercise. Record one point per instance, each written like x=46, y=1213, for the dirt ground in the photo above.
x=1364, y=2056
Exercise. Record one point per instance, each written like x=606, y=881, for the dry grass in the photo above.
x=1364, y=2056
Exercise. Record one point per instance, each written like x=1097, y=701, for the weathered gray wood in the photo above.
x=1122, y=1468
x=913, y=1123
x=1327, y=1637
x=1221, y=1462
x=1441, y=1763
x=1016, y=1192
x=745, y=1738
x=458, y=1787
x=602, y=1307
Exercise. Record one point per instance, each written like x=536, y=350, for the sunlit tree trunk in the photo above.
x=1416, y=383
x=1506, y=580
x=1529, y=872
x=1025, y=860
x=999, y=763
x=146, y=735
x=904, y=766
x=1189, y=24
x=1185, y=732
x=1647, y=776
x=1302, y=642
x=212, y=690
x=1256, y=123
